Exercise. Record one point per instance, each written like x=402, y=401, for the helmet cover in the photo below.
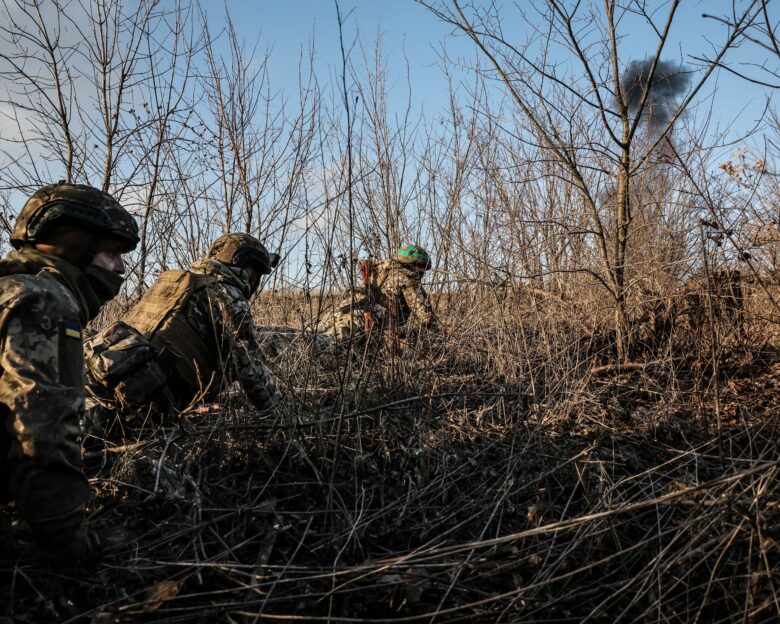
x=238, y=248
x=74, y=204
x=414, y=255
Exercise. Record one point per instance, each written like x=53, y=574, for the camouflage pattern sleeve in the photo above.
x=400, y=284
x=347, y=321
x=418, y=302
x=42, y=397
x=245, y=357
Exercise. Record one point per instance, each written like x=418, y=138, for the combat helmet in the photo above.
x=414, y=255
x=74, y=204
x=241, y=249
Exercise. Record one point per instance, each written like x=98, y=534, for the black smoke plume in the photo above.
x=669, y=81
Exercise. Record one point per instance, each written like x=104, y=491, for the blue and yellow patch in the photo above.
x=72, y=330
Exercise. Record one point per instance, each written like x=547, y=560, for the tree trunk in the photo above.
x=622, y=221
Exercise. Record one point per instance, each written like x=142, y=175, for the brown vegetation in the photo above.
x=593, y=435
x=488, y=474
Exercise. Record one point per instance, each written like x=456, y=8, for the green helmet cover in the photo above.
x=413, y=254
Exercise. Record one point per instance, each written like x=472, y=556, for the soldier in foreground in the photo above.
x=392, y=298
x=68, y=240
x=189, y=336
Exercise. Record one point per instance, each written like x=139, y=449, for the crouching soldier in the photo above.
x=392, y=298
x=190, y=335
x=68, y=240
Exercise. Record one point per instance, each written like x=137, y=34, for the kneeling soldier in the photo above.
x=392, y=296
x=69, y=241
x=199, y=326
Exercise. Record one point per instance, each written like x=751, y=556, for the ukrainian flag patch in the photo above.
x=72, y=330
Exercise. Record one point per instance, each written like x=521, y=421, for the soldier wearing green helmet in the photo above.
x=200, y=319
x=392, y=297
x=67, y=262
x=414, y=256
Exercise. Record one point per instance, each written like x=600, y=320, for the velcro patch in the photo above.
x=72, y=330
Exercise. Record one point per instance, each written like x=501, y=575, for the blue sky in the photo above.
x=288, y=28
x=411, y=32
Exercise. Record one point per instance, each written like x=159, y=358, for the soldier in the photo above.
x=392, y=297
x=199, y=320
x=68, y=240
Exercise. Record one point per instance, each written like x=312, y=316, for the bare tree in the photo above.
x=37, y=56
x=164, y=120
x=598, y=129
x=759, y=66
x=114, y=63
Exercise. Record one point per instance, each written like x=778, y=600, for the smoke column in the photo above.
x=669, y=81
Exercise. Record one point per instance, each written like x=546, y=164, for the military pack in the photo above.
x=125, y=366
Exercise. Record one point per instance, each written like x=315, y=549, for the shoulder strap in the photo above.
x=15, y=267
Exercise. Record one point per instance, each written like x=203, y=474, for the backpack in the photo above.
x=123, y=366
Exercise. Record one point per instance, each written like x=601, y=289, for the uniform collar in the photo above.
x=73, y=278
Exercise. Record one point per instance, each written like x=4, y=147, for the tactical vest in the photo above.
x=159, y=317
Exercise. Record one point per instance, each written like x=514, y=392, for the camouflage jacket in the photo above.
x=42, y=309
x=217, y=316
x=398, y=289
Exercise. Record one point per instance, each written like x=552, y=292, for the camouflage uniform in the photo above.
x=209, y=329
x=41, y=398
x=394, y=297
x=45, y=301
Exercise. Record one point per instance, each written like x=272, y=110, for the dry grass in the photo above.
x=497, y=473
